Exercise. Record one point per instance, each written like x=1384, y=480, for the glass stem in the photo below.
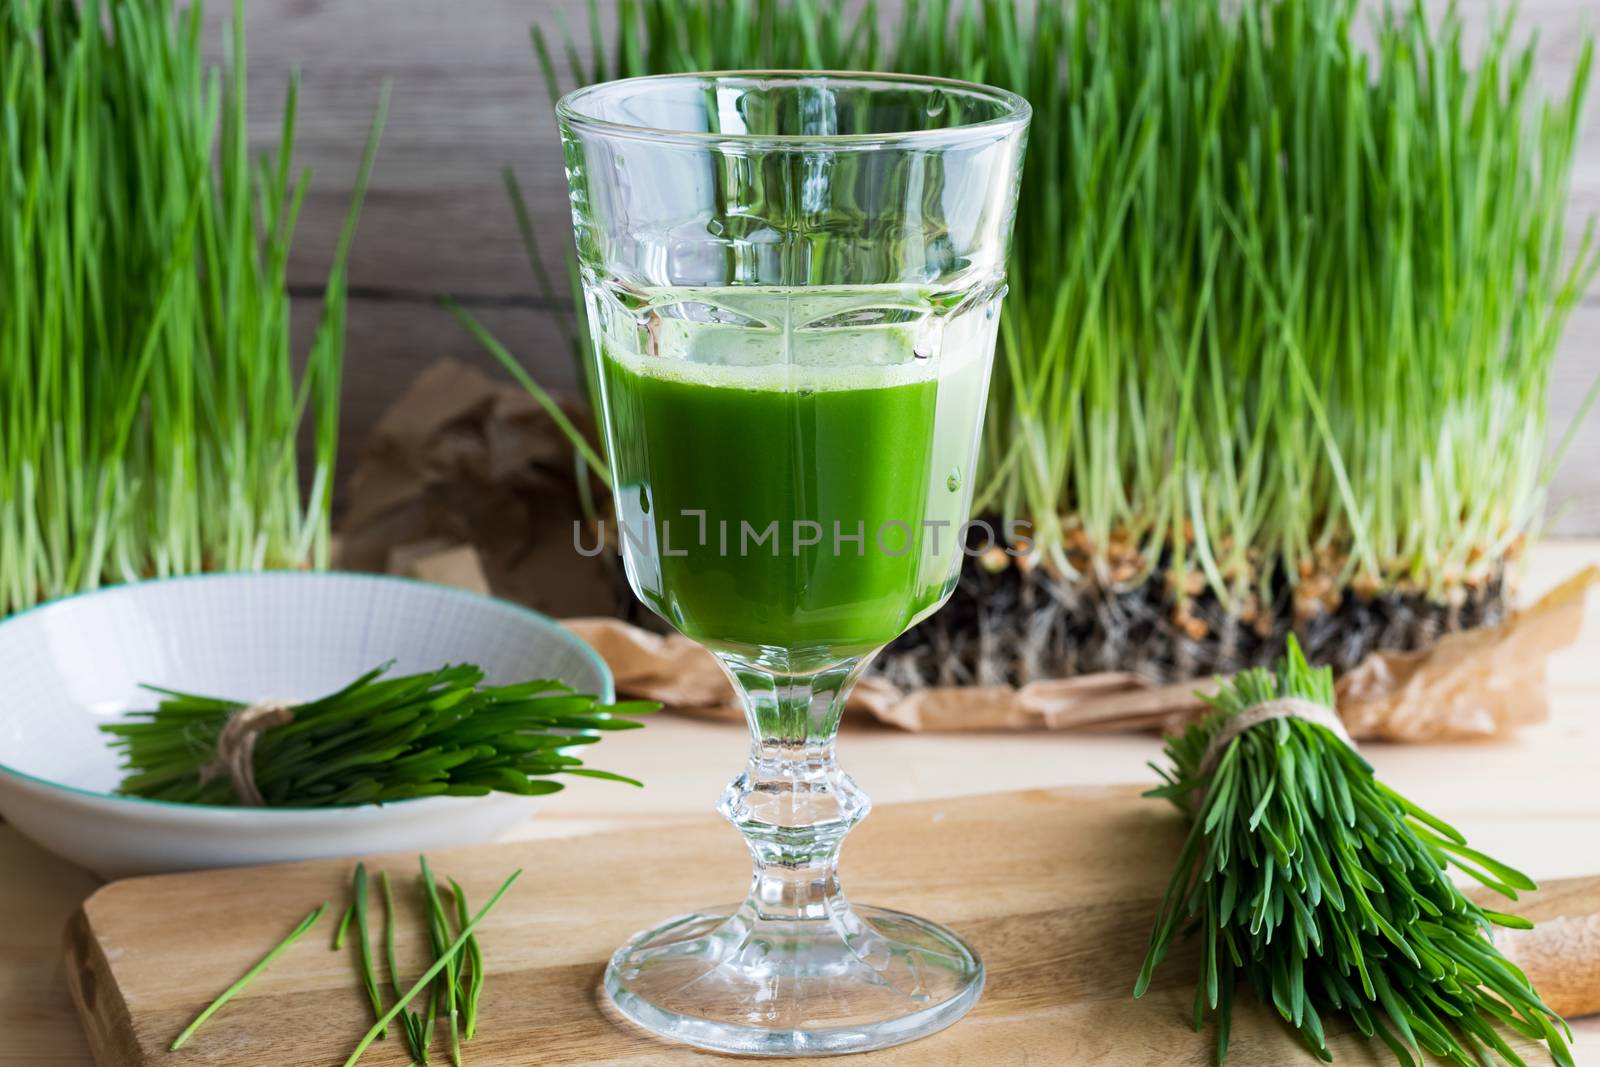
x=792, y=803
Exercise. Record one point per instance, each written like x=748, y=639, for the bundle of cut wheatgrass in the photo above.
x=1329, y=894
x=149, y=402
x=1288, y=283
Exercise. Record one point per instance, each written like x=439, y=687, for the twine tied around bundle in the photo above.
x=1281, y=708
x=236, y=747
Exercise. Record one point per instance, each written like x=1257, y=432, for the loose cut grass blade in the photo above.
x=249, y=976
x=369, y=975
x=472, y=989
x=344, y=925
x=439, y=934
x=411, y=1025
x=432, y=972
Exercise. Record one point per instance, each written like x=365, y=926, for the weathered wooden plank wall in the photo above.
x=468, y=101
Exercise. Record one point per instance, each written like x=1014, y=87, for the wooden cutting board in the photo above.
x=1056, y=890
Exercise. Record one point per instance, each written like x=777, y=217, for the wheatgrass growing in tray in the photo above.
x=150, y=404
x=1287, y=288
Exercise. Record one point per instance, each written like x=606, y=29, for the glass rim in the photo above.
x=1015, y=112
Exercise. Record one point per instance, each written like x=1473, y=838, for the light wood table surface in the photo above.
x=1533, y=801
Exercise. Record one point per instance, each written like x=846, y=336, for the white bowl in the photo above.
x=73, y=664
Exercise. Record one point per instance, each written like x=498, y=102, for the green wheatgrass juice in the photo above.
x=792, y=467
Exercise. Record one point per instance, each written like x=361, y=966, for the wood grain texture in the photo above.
x=468, y=101
x=1055, y=889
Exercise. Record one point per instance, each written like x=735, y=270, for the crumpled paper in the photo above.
x=1474, y=684
x=467, y=482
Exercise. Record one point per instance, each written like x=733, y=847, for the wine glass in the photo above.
x=792, y=284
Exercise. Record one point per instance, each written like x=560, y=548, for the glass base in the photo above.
x=853, y=980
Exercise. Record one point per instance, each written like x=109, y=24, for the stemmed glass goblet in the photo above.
x=792, y=286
